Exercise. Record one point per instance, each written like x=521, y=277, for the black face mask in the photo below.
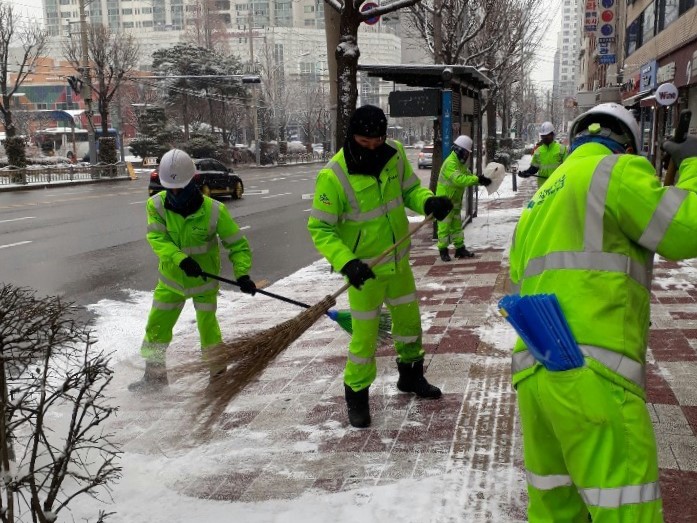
x=361, y=160
x=186, y=201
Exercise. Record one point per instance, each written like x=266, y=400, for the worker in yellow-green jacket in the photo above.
x=589, y=236
x=358, y=212
x=183, y=231
x=548, y=155
x=453, y=179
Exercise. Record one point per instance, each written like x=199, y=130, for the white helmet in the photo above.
x=465, y=142
x=615, y=122
x=176, y=169
x=546, y=128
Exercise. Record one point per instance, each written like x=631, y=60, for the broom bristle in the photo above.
x=247, y=357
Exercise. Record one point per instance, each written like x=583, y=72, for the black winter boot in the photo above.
x=444, y=254
x=358, y=407
x=154, y=379
x=411, y=379
x=462, y=252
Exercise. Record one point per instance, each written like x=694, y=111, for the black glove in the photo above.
x=191, y=267
x=438, y=206
x=357, y=273
x=524, y=174
x=247, y=285
x=678, y=151
x=483, y=180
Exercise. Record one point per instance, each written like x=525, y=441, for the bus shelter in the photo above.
x=452, y=95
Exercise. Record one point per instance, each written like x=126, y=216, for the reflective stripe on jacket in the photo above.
x=454, y=177
x=174, y=237
x=589, y=236
x=547, y=158
x=360, y=216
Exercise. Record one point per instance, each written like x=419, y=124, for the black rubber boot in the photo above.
x=154, y=379
x=444, y=254
x=358, y=407
x=462, y=252
x=411, y=379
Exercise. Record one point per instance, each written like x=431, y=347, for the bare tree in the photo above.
x=496, y=37
x=113, y=55
x=30, y=39
x=208, y=28
x=347, y=53
x=48, y=365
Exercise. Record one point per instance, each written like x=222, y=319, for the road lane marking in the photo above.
x=276, y=195
x=256, y=192
x=135, y=203
x=245, y=227
x=307, y=210
x=18, y=219
x=13, y=244
x=308, y=196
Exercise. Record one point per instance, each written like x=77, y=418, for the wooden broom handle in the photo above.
x=387, y=252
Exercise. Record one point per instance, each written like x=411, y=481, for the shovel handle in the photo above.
x=387, y=252
x=260, y=291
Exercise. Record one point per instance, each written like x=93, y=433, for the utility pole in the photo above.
x=255, y=112
x=87, y=83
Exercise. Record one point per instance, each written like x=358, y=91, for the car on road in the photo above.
x=425, y=159
x=211, y=177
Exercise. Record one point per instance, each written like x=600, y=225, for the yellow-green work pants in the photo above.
x=166, y=308
x=589, y=447
x=450, y=229
x=398, y=292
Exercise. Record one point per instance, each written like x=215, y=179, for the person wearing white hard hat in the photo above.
x=589, y=237
x=548, y=155
x=453, y=179
x=183, y=231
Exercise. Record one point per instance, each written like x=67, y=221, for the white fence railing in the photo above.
x=62, y=174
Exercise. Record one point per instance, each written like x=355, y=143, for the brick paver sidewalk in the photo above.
x=287, y=434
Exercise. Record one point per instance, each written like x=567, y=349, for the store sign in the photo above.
x=647, y=81
x=665, y=73
x=590, y=23
x=605, y=32
x=667, y=94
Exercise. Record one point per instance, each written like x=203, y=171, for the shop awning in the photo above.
x=648, y=101
x=633, y=100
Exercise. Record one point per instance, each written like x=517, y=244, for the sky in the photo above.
x=542, y=73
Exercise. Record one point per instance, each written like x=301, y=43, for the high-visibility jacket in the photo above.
x=454, y=177
x=174, y=237
x=547, y=158
x=360, y=216
x=589, y=236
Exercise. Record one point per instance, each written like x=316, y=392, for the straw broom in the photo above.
x=248, y=356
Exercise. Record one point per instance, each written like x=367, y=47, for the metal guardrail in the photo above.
x=303, y=158
x=62, y=174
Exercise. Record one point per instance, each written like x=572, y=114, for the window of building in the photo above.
x=309, y=9
x=685, y=5
x=65, y=15
x=309, y=22
x=226, y=18
x=128, y=25
x=222, y=5
x=146, y=10
x=147, y=23
x=649, y=23
x=307, y=68
x=668, y=13
x=634, y=32
x=65, y=2
x=127, y=11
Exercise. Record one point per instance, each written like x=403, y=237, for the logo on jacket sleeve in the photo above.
x=325, y=199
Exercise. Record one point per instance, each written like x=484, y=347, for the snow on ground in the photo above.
x=147, y=491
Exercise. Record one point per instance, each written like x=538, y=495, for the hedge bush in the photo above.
x=15, y=147
x=107, y=150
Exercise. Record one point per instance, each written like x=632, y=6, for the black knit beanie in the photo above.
x=369, y=121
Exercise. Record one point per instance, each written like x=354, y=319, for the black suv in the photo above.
x=211, y=177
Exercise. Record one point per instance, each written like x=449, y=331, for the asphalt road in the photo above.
x=87, y=242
